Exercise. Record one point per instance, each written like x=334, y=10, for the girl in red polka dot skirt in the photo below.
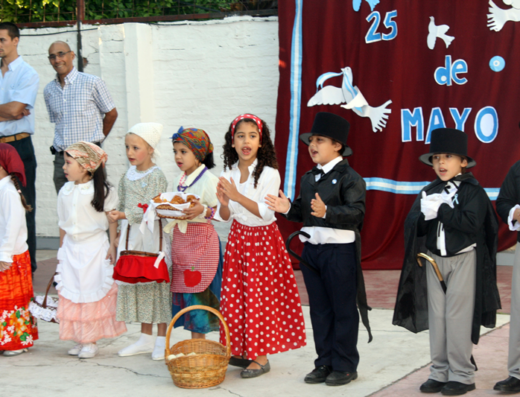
x=259, y=298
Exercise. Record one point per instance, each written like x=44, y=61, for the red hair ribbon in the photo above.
x=238, y=119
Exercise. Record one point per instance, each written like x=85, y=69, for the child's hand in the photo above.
x=222, y=198
x=195, y=211
x=229, y=189
x=112, y=254
x=114, y=216
x=516, y=215
x=4, y=266
x=318, y=207
x=278, y=204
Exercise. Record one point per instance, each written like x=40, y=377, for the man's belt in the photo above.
x=16, y=137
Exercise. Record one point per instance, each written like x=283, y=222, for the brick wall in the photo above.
x=194, y=74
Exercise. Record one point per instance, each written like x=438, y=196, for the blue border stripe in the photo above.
x=296, y=93
x=397, y=187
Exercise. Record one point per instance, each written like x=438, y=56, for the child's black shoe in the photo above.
x=318, y=374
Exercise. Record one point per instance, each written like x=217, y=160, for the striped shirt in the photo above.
x=78, y=108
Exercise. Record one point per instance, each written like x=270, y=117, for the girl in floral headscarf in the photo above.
x=196, y=257
x=17, y=327
x=87, y=292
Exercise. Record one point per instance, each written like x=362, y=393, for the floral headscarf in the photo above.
x=88, y=155
x=196, y=139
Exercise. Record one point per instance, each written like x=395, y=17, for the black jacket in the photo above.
x=343, y=192
x=509, y=194
x=472, y=221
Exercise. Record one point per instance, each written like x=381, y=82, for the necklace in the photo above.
x=181, y=188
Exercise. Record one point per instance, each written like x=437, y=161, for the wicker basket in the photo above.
x=44, y=307
x=167, y=207
x=208, y=367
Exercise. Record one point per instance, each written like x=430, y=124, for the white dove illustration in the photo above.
x=498, y=17
x=438, y=31
x=355, y=101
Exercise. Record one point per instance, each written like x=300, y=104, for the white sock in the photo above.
x=160, y=341
x=144, y=340
x=158, y=350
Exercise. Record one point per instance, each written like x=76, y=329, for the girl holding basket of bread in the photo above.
x=196, y=255
x=147, y=303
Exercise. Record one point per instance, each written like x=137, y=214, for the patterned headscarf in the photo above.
x=11, y=162
x=196, y=139
x=238, y=119
x=88, y=155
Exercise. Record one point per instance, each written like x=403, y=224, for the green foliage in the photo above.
x=20, y=11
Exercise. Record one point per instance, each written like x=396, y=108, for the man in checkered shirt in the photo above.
x=78, y=103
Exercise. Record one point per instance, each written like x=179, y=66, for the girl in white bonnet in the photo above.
x=147, y=303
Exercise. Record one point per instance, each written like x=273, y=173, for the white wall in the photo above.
x=194, y=74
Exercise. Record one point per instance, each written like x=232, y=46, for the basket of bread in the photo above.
x=170, y=205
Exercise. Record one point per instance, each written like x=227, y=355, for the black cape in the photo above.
x=411, y=307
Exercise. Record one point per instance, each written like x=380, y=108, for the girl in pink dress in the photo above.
x=87, y=292
x=259, y=298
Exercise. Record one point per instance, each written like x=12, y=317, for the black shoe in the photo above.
x=337, y=378
x=432, y=386
x=318, y=374
x=510, y=385
x=456, y=388
x=254, y=373
x=240, y=362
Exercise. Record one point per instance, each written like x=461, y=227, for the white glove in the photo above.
x=447, y=198
x=430, y=205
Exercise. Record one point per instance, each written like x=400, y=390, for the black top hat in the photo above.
x=331, y=126
x=448, y=140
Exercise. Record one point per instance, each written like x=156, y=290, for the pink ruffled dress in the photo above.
x=87, y=292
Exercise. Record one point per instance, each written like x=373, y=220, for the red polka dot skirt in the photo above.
x=259, y=299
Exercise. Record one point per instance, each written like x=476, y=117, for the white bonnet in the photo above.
x=150, y=132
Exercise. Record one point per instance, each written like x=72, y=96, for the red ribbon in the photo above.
x=143, y=206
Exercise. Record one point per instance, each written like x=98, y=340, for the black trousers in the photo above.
x=25, y=149
x=332, y=298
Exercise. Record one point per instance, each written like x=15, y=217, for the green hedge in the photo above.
x=20, y=11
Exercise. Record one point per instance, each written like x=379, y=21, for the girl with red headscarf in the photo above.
x=18, y=328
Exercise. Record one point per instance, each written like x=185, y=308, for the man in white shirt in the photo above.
x=78, y=103
x=18, y=90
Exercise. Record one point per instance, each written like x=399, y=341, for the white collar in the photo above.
x=84, y=188
x=251, y=168
x=189, y=180
x=330, y=165
x=133, y=174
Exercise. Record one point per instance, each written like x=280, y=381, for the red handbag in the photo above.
x=141, y=267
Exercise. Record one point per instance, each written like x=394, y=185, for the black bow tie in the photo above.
x=317, y=171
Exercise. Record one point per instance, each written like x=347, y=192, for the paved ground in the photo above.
x=394, y=364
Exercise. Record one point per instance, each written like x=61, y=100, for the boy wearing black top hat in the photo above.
x=453, y=222
x=331, y=206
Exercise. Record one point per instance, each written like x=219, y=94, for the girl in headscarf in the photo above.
x=87, y=292
x=196, y=256
x=18, y=328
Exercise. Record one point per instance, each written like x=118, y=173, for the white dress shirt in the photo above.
x=268, y=183
x=19, y=84
x=77, y=217
x=13, y=229
x=327, y=235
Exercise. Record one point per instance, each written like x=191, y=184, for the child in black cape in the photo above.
x=453, y=221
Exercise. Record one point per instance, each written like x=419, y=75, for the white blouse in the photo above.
x=268, y=183
x=13, y=229
x=77, y=217
x=205, y=187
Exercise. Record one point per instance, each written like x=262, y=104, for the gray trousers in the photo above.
x=513, y=361
x=59, y=175
x=450, y=317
